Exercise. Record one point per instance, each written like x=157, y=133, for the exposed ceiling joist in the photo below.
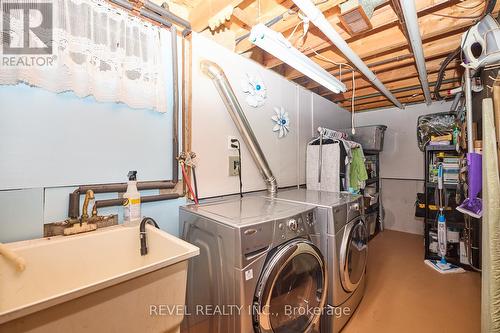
x=382, y=20
x=416, y=92
x=401, y=83
x=392, y=76
x=384, y=49
x=206, y=9
x=288, y=22
x=391, y=40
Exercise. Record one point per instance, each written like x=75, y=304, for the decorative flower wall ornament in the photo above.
x=254, y=88
x=281, y=120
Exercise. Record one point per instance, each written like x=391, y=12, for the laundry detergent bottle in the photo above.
x=132, y=204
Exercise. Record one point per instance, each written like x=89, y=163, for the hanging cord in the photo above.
x=340, y=64
x=445, y=64
x=238, y=146
x=189, y=161
x=195, y=183
x=305, y=29
x=188, y=183
x=488, y=8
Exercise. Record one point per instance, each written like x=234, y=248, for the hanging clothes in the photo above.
x=334, y=163
x=357, y=173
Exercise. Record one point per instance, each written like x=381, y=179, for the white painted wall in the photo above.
x=401, y=162
x=211, y=124
x=401, y=157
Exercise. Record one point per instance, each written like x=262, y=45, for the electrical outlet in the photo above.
x=234, y=165
x=229, y=138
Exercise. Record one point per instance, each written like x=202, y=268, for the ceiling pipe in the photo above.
x=468, y=109
x=214, y=72
x=395, y=91
x=320, y=21
x=411, y=22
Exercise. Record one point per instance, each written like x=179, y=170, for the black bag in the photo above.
x=436, y=124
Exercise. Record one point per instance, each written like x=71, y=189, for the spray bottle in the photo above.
x=132, y=206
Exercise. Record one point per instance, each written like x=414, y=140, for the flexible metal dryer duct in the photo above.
x=214, y=72
x=320, y=21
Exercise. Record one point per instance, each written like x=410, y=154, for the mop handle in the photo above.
x=440, y=176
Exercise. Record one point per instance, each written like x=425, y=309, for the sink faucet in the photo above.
x=89, y=195
x=142, y=233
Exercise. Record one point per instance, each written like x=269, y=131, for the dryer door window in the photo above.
x=292, y=289
x=354, y=255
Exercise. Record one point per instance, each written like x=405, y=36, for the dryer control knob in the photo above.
x=293, y=225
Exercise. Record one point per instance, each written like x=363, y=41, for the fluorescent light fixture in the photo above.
x=310, y=9
x=274, y=43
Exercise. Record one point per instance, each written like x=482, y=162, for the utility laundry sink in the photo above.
x=96, y=282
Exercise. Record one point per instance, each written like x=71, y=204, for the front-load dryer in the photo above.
x=258, y=270
x=343, y=244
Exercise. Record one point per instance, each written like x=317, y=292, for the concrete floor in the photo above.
x=405, y=295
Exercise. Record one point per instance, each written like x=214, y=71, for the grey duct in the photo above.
x=214, y=72
x=411, y=22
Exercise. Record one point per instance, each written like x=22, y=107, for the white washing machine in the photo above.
x=258, y=270
x=344, y=245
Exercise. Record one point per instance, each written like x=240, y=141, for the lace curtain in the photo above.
x=101, y=51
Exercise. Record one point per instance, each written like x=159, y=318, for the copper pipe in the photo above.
x=164, y=17
x=167, y=14
x=175, y=106
x=122, y=201
x=74, y=198
x=89, y=195
x=153, y=12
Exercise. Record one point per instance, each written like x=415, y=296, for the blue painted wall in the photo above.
x=51, y=142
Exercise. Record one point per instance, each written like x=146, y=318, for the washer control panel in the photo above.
x=293, y=225
x=258, y=239
x=299, y=225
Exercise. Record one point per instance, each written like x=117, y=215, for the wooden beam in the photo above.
x=432, y=48
x=243, y=17
x=369, y=49
x=288, y=22
x=361, y=102
x=402, y=82
x=206, y=9
x=377, y=105
x=404, y=67
x=393, y=76
x=382, y=20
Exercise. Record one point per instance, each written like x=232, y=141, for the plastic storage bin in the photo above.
x=370, y=137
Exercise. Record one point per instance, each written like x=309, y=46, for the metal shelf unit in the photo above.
x=375, y=208
x=454, y=219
